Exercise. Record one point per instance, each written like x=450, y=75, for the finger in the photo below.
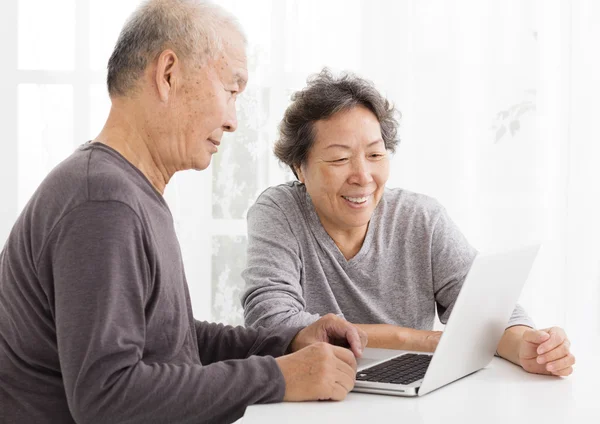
x=561, y=364
x=557, y=353
x=349, y=334
x=354, y=340
x=343, y=367
x=531, y=339
x=535, y=336
x=557, y=337
x=338, y=392
x=345, y=380
x=564, y=373
x=364, y=338
x=345, y=355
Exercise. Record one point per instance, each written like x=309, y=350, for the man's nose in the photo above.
x=231, y=123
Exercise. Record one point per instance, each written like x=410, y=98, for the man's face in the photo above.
x=204, y=107
x=346, y=169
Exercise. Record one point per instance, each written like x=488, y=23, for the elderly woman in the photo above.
x=338, y=241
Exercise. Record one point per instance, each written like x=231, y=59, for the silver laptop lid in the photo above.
x=481, y=312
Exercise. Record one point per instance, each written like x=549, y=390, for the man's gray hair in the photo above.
x=324, y=96
x=193, y=29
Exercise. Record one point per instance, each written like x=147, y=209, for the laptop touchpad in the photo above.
x=366, y=362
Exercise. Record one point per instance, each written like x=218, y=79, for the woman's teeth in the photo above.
x=356, y=199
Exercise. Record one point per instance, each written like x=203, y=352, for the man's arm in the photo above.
x=97, y=261
x=218, y=342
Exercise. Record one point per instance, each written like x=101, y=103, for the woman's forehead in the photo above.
x=346, y=132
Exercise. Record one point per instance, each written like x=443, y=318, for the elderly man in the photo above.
x=96, y=323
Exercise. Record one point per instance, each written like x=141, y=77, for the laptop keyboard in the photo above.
x=403, y=369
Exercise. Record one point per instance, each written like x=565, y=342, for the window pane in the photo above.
x=45, y=119
x=229, y=260
x=242, y=158
x=317, y=37
x=106, y=20
x=99, y=108
x=252, y=16
x=46, y=34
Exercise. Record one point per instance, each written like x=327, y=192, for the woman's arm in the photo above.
x=395, y=337
x=273, y=294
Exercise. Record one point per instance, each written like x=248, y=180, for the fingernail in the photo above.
x=550, y=367
x=541, y=350
x=540, y=360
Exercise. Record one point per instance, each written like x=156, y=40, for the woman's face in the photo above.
x=346, y=169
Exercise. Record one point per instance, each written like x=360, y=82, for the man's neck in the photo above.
x=124, y=133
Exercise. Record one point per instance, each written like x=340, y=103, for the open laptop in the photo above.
x=469, y=341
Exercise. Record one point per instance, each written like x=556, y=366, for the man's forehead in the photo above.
x=234, y=52
x=237, y=63
x=234, y=46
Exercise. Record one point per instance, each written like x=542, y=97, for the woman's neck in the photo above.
x=349, y=241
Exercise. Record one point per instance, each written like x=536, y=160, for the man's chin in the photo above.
x=201, y=163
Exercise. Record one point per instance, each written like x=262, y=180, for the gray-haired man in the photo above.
x=95, y=318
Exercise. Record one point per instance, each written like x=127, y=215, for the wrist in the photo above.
x=425, y=340
x=431, y=340
x=402, y=338
x=294, y=345
x=412, y=339
x=509, y=347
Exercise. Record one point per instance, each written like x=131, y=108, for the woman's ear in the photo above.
x=299, y=174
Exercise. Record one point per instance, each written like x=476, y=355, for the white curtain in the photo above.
x=499, y=104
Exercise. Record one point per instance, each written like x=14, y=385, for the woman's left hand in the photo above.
x=546, y=351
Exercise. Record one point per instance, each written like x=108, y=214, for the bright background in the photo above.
x=499, y=101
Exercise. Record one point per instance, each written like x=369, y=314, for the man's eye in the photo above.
x=377, y=155
x=340, y=160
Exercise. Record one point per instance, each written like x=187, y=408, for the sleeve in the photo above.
x=273, y=294
x=98, y=259
x=451, y=259
x=218, y=342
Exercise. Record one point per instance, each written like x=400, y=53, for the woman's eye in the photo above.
x=340, y=160
x=377, y=155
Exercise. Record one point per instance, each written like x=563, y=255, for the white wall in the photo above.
x=450, y=66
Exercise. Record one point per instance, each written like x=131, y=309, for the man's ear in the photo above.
x=168, y=71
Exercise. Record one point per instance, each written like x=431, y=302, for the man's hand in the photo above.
x=334, y=330
x=318, y=372
x=546, y=352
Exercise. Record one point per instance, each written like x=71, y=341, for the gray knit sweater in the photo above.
x=413, y=259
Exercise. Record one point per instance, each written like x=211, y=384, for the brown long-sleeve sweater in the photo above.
x=96, y=323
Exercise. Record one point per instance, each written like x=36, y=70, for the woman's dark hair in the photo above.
x=324, y=96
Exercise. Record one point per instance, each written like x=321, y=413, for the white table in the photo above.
x=500, y=393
